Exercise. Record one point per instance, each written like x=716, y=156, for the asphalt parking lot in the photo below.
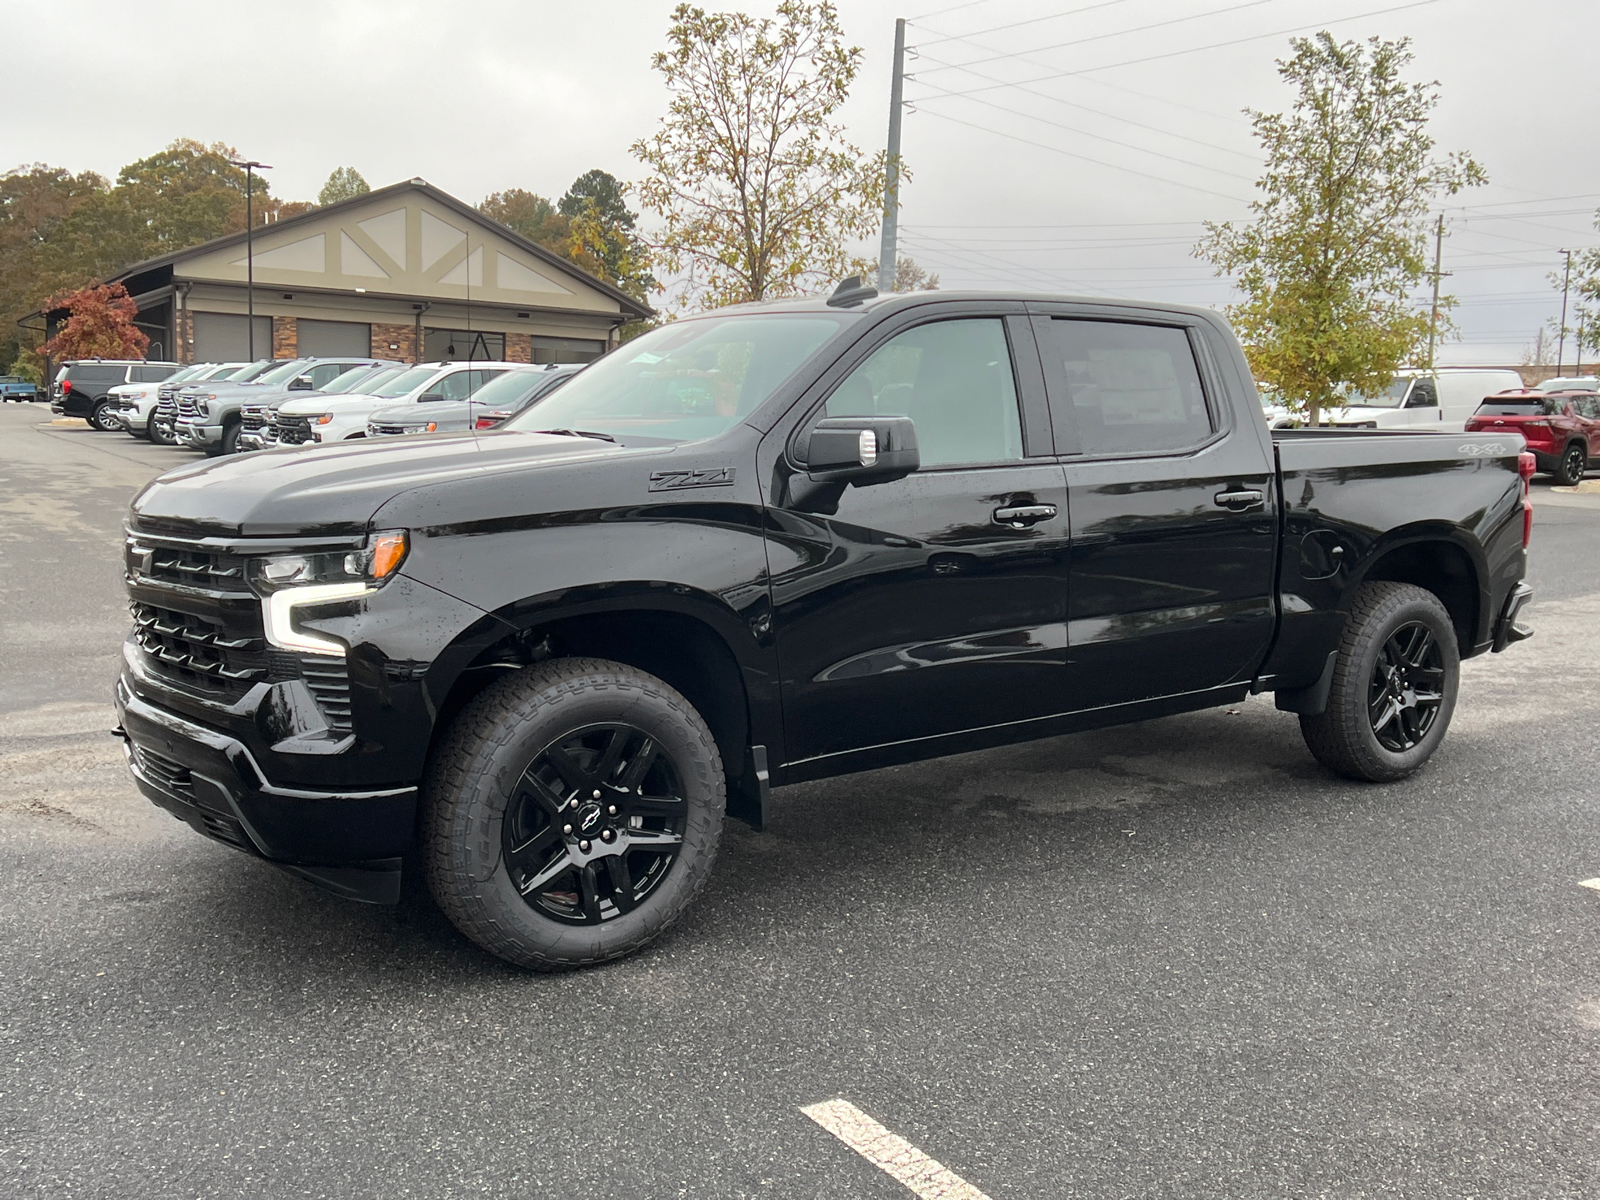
x=1172, y=959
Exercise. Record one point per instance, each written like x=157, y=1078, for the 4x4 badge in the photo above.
x=671, y=481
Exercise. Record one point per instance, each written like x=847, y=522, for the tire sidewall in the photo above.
x=100, y=417
x=1403, y=611
x=483, y=888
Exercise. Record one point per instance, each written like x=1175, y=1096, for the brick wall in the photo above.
x=285, y=337
x=519, y=347
x=185, y=335
x=386, y=336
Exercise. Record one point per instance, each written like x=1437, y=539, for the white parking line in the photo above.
x=1590, y=883
x=890, y=1153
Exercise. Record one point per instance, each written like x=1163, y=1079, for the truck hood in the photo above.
x=304, y=405
x=335, y=489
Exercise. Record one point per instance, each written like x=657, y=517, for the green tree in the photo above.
x=345, y=183
x=909, y=275
x=604, y=192
x=1339, y=239
x=531, y=215
x=1584, y=319
x=604, y=231
x=34, y=201
x=758, y=190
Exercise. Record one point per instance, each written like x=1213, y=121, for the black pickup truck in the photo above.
x=776, y=543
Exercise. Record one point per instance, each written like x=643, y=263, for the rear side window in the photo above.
x=152, y=374
x=1128, y=388
x=97, y=374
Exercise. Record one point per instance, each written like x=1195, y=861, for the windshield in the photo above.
x=359, y=379
x=284, y=373
x=505, y=390
x=182, y=374
x=687, y=380
x=248, y=373
x=1392, y=396
x=408, y=381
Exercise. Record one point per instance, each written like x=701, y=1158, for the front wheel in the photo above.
x=1394, y=685
x=1569, y=472
x=573, y=812
x=103, y=419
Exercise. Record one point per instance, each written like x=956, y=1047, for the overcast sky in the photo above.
x=1092, y=176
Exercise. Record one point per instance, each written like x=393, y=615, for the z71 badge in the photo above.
x=672, y=481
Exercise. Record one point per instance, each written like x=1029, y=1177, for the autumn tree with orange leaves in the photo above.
x=100, y=324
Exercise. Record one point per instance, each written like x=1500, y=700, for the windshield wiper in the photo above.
x=604, y=437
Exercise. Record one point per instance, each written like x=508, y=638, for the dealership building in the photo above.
x=406, y=272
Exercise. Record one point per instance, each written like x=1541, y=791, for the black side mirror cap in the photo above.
x=862, y=450
x=429, y=397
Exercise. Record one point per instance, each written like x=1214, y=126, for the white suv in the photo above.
x=330, y=418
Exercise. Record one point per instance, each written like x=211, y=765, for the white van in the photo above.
x=1441, y=399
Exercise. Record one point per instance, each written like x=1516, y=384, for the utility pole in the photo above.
x=1561, y=346
x=891, y=189
x=250, y=168
x=1433, y=314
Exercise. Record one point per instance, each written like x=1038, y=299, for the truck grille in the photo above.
x=292, y=430
x=254, y=417
x=188, y=567
x=186, y=407
x=386, y=429
x=197, y=653
x=166, y=403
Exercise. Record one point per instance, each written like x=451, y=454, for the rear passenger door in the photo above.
x=1173, y=521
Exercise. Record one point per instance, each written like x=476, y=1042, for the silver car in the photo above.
x=498, y=400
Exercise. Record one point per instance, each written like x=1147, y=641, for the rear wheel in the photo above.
x=1394, y=685
x=1574, y=461
x=102, y=418
x=572, y=813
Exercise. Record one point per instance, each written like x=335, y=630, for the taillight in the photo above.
x=492, y=418
x=1527, y=464
x=66, y=386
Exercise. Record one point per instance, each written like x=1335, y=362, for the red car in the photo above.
x=1562, y=428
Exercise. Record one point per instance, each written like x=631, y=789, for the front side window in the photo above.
x=1129, y=388
x=953, y=379
x=406, y=381
x=686, y=380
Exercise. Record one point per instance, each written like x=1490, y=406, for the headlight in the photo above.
x=323, y=419
x=201, y=407
x=286, y=582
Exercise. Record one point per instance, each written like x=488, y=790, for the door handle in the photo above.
x=1239, y=501
x=1020, y=516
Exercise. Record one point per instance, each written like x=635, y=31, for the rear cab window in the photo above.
x=1522, y=406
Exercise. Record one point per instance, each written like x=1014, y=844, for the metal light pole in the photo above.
x=1433, y=315
x=1561, y=350
x=250, y=168
x=891, y=190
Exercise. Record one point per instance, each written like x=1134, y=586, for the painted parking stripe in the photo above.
x=890, y=1153
x=1590, y=883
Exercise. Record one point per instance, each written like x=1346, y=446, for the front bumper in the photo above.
x=349, y=842
x=196, y=436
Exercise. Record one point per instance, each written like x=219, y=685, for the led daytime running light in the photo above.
x=278, y=611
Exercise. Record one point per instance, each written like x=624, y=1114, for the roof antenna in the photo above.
x=851, y=292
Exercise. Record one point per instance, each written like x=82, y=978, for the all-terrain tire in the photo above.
x=477, y=767
x=1342, y=737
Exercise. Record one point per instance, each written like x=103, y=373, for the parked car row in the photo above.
x=1562, y=428
x=226, y=408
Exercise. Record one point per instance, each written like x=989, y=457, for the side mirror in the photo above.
x=862, y=450
x=300, y=383
x=429, y=397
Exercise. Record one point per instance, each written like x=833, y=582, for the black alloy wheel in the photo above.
x=1406, y=688
x=572, y=812
x=1573, y=464
x=594, y=825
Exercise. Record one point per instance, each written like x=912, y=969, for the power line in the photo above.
x=1100, y=37
x=961, y=37
x=940, y=11
x=1256, y=37
x=1093, y=111
x=1017, y=112
x=1086, y=158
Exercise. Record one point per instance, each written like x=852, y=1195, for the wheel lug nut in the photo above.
x=597, y=793
x=566, y=829
x=612, y=809
x=609, y=835
x=584, y=846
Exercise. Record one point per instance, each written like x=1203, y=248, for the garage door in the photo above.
x=224, y=337
x=333, y=339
